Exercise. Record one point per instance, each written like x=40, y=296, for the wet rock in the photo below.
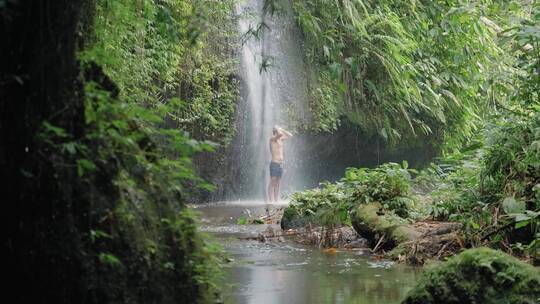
x=359, y=242
x=269, y=232
x=307, y=230
x=337, y=237
x=479, y=275
x=348, y=238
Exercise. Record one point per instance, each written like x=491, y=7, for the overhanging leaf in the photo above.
x=511, y=205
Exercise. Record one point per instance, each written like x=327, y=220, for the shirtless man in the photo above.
x=276, y=168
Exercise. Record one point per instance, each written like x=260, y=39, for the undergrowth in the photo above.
x=151, y=84
x=331, y=203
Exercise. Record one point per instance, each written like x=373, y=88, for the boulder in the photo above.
x=479, y=275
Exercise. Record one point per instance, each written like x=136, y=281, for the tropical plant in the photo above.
x=154, y=81
x=400, y=68
x=330, y=204
x=156, y=51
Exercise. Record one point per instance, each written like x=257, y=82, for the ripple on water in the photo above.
x=380, y=264
x=278, y=272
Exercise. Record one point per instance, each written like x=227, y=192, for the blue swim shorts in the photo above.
x=276, y=169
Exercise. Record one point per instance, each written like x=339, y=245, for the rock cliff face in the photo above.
x=324, y=157
x=40, y=80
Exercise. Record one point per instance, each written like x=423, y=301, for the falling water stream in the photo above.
x=274, y=80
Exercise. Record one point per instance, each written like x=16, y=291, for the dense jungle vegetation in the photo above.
x=401, y=68
x=104, y=105
x=461, y=74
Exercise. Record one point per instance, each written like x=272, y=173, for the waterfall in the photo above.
x=274, y=85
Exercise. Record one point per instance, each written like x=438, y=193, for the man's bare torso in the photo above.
x=276, y=169
x=276, y=149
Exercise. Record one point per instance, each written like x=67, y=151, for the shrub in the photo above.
x=478, y=276
x=388, y=184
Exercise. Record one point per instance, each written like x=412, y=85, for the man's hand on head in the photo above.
x=285, y=133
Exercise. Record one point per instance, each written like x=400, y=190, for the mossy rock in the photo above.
x=479, y=275
x=369, y=222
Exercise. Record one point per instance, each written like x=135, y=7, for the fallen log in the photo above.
x=411, y=242
x=370, y=223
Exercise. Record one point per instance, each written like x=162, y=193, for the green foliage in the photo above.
x=327, y=205
x=154, y=178
x=478, y=276
x=98, y=234
x=242, y=220
x=452, y=183
x=512, y=161
x=400, y=68
x=156, y=51
x=199, y=260
x=154, y=72
x=462, y=75
x=109, y=259
x=137, y=139
x=524, y=41
x=493, y=188
x=324, y=108
x=388, y=184
x=510, y=175
x=258, y=221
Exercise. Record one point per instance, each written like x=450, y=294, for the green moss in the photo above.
x=368, y=215
x=478, y=276
x=368, y=221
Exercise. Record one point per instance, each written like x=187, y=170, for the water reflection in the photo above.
x=281, y=275
x=290, y=273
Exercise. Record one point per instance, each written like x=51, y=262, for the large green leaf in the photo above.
x=511, y=205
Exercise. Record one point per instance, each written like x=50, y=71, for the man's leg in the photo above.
x=271, y=190
x=276, y=189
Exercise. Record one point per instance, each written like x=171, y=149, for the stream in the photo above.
x=285, y=272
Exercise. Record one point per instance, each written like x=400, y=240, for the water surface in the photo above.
x=285, y=272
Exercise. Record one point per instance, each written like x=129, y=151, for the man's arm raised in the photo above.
x=285, y=134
